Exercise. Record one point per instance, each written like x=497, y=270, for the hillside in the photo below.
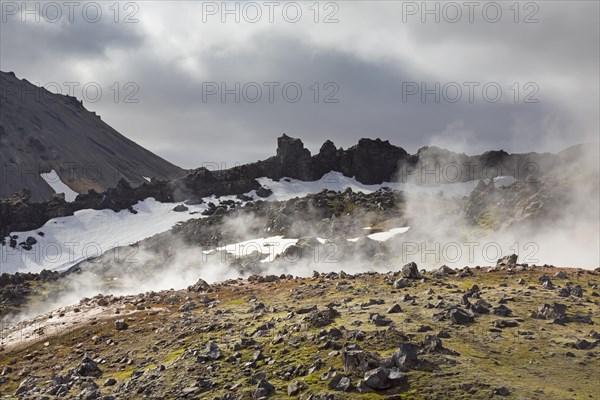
x=511, y=331
x=41, y=131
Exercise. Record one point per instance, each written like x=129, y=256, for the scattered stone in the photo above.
x=560, y=275
x=323, y=318
x=380, y=320
x=212, y=351
x=188, y=306
x=110, y=382
x=401, y=283
x=505, y=323
x=582, y=344
x=405, y=356
x=87, y=367
x=263, y=389
x=569, y=290
x=378, y=378
x=460, y=317
x=507, y=261
x=295, y=388
x=306, y=310
x=340, y=383
x=501, y=391
x=550, y=311
x=411, y=271
x=180, y=208
x=394, y=309
x=546, y=282
x=443, y=334
x=121, y=325
x=199, y=286
x=444, y=270
x=432, y=344
x=263, y=192
x=502, y=311
x=360, y=361
x=26, y=385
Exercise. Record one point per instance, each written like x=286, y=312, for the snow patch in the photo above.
x=59, y=186
x=90, y=233
x=273, y=246
x=286, y=188
x=387, y=235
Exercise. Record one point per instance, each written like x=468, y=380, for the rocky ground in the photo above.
x=509, y=331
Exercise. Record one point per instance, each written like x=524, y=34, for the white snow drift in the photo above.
x=89, y=233
x=59, y=186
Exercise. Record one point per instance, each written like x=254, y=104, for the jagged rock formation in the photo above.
x=41, y=131
x=370, y=162
x=374, y=161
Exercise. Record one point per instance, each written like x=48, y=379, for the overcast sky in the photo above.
x=370, y=61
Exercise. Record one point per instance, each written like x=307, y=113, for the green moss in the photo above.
x=120, y=376
x=172, y=356
x=488, y=220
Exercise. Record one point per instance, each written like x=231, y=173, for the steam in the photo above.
x=439, y=234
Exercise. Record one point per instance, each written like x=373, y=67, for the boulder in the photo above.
x=121, y=325
x=508, y=261
x=460, y=317
x=212, y=351
x=263, y=389
x=87, y=367
x=322, y=318
x=199, y=286
x=378, y=378
x=295, y=388
x=394, y=309
x=405, y=356
x=411, y=271
x=340, y=383
x=432, y=344
x=550, y=311
x=263, y=192
x=401, y=283
x=358, y=361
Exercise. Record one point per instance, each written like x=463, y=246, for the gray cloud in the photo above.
x=368, y=55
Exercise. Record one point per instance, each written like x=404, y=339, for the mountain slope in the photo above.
x=41, y=131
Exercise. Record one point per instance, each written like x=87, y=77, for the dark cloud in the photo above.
x=172, y=119
x=32, y=45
